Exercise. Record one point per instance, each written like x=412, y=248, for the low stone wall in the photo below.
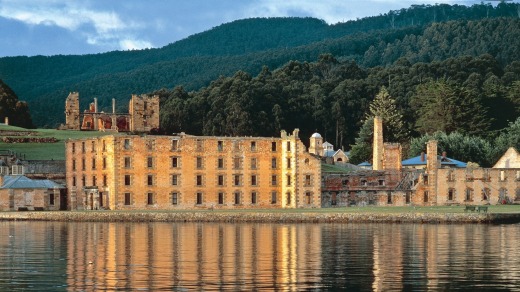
x=215, y=216
x=29, y=140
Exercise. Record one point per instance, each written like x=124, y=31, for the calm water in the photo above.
x=46, y=256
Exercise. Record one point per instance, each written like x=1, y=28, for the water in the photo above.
x=48, y=256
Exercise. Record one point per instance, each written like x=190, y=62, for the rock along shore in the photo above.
x=258, y=217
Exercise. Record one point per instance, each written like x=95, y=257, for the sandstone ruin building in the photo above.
x=121, y=172
x=143, y=115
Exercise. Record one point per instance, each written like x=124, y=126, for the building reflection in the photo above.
x=159, y=256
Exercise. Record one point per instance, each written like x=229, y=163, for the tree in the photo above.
x=17, y=111
x=384, y=107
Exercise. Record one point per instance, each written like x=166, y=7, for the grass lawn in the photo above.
x=45, y=151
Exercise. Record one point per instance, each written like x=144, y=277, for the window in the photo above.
x=127, y=199
x=220, y=198
x=308, y=198
x=104, y=180
x=93, y=163
x=104, y=163
x=469, y=194
x=93, y=180
x=220, y=180
x=389, y=198
x=175, y=162
x=73, y=181
x=288, y=162
x=149, y=162
x=274, y=180
x=73, y=164
x=307, y=180
x=150, y=145
x=199, y=179
x=236, y=163
x=127, y=162
x=273, y=163
x=425, y=196
x=199, y=198
x=425, y=179
x=237, y=198
x=200, y=145
x=126, y=144
x=288, y=197
x=288, y=145
x=93, y=146
x=253, y=180
x=364, y=183
x=104, y=146
x=199, y=163
x=236, y=145
x=253, y=163
x=381, y=182
x=451, y=193
x=502, y=175
x=127, y=180
x=149, y=200
x=83, y=181
x=273, y=146
x=149, y=180
x=253, y=198
x=273, y=197
x=253, y=146
x=306, y=161
x=83, y=164
x=175, y=198
x=220, y=145
x=345, y=182
x=220, y=163
x=73, y=147
x=288, y=180
x=451, y=176
x=485, y=194
x=51, y=199
x=175, y=145
x=83, y=147
x=175, y=179
x=236, y=179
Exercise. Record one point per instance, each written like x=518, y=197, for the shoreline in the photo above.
x=261, y=217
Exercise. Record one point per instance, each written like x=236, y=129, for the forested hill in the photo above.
x=419, y=33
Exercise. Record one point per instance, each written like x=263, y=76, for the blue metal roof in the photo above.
x=365, y=164
x=23, y=182
x=444, y=161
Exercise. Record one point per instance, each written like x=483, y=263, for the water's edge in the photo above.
x=261, y=217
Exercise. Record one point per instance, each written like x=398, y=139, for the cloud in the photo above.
x=96, y=26
x=130, y=44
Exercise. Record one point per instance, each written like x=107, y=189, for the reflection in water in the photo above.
x=170, y=256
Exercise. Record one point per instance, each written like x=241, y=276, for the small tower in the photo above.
x=144, y=113
x=316, y=144
x=72, y=111
x=378, y=147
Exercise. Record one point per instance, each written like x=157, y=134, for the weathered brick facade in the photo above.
x=170, y=172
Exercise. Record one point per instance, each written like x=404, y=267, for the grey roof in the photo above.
x=23, y=182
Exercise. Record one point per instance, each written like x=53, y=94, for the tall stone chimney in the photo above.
x=113, y=105
x=432, y=166
x=95, y=105
x=378, y=148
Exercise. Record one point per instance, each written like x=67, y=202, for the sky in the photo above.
x=54, y=27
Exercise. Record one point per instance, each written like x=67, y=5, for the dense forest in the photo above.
x=420, y=34
x=17, y=111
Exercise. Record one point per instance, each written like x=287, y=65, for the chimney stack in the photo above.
x=443, y=154
x=113, y=105
x=95, y=105
x=422, y=157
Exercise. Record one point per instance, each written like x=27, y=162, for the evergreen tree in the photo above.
x=17, y=111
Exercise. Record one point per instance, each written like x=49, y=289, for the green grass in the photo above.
x=46, y=151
